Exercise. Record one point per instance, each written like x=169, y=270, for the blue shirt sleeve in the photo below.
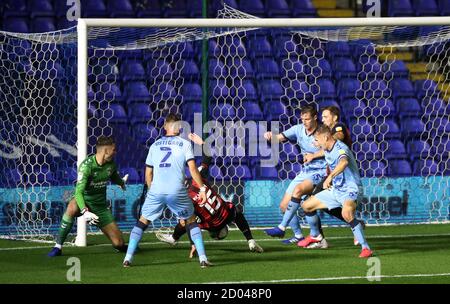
x=189, y=154
x=291, y=133
x=149, y=160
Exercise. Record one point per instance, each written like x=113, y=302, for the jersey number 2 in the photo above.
x=164, y=163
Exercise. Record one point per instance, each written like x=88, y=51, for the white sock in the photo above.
x=281, y=227
x=59, y=246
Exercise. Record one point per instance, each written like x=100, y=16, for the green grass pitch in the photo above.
x=407, y=254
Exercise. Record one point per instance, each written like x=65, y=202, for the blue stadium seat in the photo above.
x=16, y=24
x=274, y=109
x=222, y=111
x=338, y=49
x=41, y=8
x=400, y=8
x=395, y=149
x=15, y=8
x=159, y=69
x=14, y=176
x=219, y=90
x=149, y=9
x=426, y=167
x=328, y=102
x=118, y=113
x=363, y=128
x=137, y=92
x=412, y=127
x=163, y=91
x=240, y=68
x=353, y=108
x=188, y=110
x=303, y=8
x=144, y=132
x=407, y=107
x=294, y=69
x=191, y=92
x=438, y=126
x=93, y=8
x=133, y=175
x=401, y=87
x=270, y=90
x=441, y=146
x=425, y=7
x=368, y=67
x=349, y=88
x=252, y=7
x=417, y=149
x=370, y=149
x=67, y=176
x=444, y=7
x=247, y=91
x=435, y=106
x=139, y=113
x=382, y=108
x=397, y=69
x=190, y=70
x=120, y=9
x=62, y=23
x=216, y=69
x=373, y=168
x=175, y=9
x=388, y=129
x=344, y=68
x=324, y=89
x=284, y=45
x=259, y=46
x=277, y=9
x=376, y=89
x=425, y=88
x=252, y=111
x=132, y=70
x=319, y=68
x=399, y=167
x=296, y=90
x=109, y=92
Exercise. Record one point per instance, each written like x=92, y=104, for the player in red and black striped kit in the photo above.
x=215, y=214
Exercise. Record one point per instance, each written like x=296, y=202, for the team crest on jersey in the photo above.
x=342, y=152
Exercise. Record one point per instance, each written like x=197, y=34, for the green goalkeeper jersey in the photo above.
x=92, y=181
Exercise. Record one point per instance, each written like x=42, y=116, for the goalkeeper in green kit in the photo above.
x=94, y=174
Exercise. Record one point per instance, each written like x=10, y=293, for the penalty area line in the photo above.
x=369, y=278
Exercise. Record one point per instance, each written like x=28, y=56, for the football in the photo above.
x=220, y=234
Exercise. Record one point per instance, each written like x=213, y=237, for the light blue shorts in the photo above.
x=180, y=204
x=335, y=198
x=316, y=176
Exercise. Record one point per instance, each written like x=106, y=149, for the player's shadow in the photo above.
x=394, y=246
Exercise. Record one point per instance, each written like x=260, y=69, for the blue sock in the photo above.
x=359, y=233
x=295, y=226
x=135, y=237
x=290, y=212
x=196, y=237
x=313, y=221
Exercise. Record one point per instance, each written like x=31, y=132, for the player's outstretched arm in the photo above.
x=116, y=179
x=197, y=178
x=343, y=163
x=196, y=139
x=279, y=137
x=311, y=156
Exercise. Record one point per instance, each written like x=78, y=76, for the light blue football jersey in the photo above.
x=168, y=157
x=306, y=142
x=350, y=176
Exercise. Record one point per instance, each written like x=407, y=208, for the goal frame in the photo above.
x=82, y=57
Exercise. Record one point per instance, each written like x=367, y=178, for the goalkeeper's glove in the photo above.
x=125, y=179
x=90, y=217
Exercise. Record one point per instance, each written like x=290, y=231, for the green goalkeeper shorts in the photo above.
x=104, y=214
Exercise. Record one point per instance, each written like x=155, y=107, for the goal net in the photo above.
x=390, y=82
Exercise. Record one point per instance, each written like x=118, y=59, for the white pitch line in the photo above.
x=372, y=278
x=243, y=240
